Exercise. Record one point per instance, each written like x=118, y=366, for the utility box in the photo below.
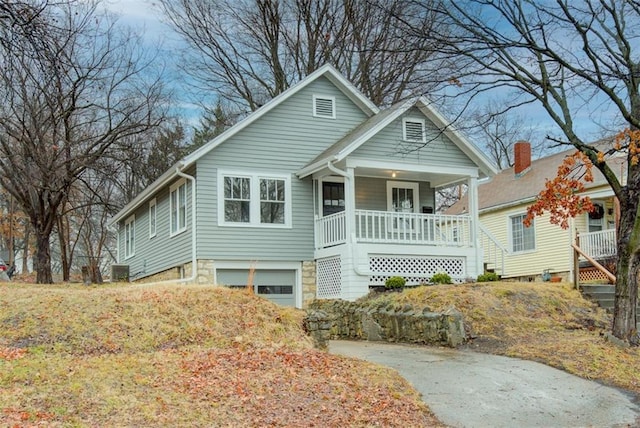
x=119, y=273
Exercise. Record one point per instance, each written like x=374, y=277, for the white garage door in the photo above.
x=276, y=285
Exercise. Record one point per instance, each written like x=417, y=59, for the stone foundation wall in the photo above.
x=309, y=285
x=166, y=275
x=205, y=272
x=354, y=320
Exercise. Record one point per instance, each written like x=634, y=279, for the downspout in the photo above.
x=354, y=255
x=194, y=258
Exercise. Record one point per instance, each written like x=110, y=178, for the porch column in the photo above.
x=350, y=203
x=472, y=195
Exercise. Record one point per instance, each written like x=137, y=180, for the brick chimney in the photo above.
x=522, y=157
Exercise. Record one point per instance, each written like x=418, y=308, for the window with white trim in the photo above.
x=129, y=237
x=178, y=207
x=413, y=130
x=324, y=106
x=254, y=200
x=523, y=238
x=402, y=197
x=152, y=218
x=237, y=199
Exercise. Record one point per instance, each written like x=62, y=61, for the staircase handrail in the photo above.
x=504, y=251
x=595, y=264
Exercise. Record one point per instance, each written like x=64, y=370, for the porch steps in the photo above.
x=604, y=296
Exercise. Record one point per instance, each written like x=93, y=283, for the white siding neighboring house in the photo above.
x=319, y=193
x=529, y=252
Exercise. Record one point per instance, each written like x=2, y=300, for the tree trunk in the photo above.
x=64, y=258
x=43, y=258
x=628, y=267
x=25, y=251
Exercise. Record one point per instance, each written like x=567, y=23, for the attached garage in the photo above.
x=277, y=285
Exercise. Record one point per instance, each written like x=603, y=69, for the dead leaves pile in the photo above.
x=259, y=387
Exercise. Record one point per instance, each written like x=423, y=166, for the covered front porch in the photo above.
x=374, y=223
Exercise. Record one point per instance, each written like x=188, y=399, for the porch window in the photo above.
x=251, y=199
x=129, y=237
x=522, y=237
x=413, y=130
x=178, y=207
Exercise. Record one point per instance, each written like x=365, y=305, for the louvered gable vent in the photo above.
x=413, y=130
x=324, y=107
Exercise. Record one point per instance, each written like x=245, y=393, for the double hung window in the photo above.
x=522, y=237
x=253, y=199
x=129, y=237
x=178, y=207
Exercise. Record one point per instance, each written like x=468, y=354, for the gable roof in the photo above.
x=508, y=189
x=327, y=71
x=356, y=138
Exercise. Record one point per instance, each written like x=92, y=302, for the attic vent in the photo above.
x=414, y=130
x=324, y=107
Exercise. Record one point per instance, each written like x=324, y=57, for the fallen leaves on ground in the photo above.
x=304, y=388
x=156, y=356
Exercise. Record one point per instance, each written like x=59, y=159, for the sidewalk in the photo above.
x=467, y=389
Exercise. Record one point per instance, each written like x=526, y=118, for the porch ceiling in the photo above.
x=436, y=179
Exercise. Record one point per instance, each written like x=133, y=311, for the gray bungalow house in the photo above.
x=319, y=193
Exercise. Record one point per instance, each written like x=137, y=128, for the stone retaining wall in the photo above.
x=338, y=319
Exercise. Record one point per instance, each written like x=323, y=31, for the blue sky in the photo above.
x=143, y=16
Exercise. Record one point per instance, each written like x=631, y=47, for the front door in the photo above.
x=402, y=197
x=332, y=197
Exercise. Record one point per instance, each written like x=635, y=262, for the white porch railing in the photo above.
x=599, y=245
x=493, y=252
x=331, y=230
x=397, y=228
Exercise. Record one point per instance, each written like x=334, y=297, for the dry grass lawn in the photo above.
x=125, y=355
x=545, y=322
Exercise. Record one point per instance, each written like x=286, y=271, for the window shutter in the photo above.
x=324, y=107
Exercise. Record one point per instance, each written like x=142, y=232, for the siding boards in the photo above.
x=371, y=194
x=156, y=254
x=389, y=144
x=552, y=247
x=282, y=141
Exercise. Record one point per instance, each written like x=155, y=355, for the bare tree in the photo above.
x=572, y=57
x=497, y=133
x=67, y=100
x=249, y=51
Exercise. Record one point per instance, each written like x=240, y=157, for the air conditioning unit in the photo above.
x=119, y=273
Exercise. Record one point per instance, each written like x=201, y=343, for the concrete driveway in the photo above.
x=469, y=389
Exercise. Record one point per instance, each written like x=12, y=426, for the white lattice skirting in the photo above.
x=329, y=278
x=415, y=270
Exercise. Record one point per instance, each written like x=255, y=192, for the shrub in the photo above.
x=395, y=282
x=488, y=276
x=441, y=278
